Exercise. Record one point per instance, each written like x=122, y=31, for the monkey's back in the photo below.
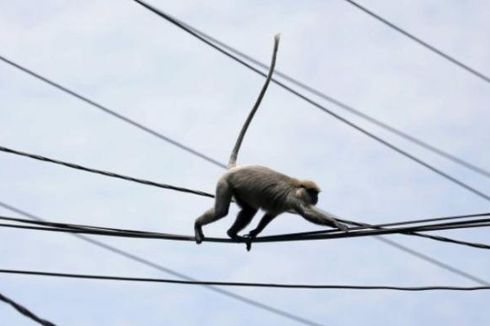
x=260, y=187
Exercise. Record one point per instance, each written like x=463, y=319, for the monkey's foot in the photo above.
x=198, y=235
x=248, y=241
x=342, y=227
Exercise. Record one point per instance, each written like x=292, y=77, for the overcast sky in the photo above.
x=122, y=56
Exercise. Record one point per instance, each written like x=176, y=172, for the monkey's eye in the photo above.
x=312, y=192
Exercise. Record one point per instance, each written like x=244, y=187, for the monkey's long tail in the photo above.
x=234, y=153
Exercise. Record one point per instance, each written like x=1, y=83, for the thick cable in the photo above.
x=334, y=234
x=105, y=173
x=247, y=284
x=201, y=193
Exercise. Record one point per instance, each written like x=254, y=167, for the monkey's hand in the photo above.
x=341, y=226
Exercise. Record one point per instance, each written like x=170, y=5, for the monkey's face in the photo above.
x=313, y=194
x=308, y=195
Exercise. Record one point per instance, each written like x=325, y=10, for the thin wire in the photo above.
x=26, y=312
x=247, y=284
x=317, y=105
x=421, y=42
x=105, y=173
x=112, y=113
x=161, y=268
x=433, y=261
x=347, y=107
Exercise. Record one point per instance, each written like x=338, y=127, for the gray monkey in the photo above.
x=257, y=187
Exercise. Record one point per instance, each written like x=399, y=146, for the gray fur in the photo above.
x=257, y=187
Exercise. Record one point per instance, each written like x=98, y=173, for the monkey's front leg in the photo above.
x=313, y=215
x=208, y=215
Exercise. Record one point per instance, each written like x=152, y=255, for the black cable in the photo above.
x=421, y=42
x=348, y=108
x=358, y=227
x=439, y=238
x=363, y=226
x=201, y=193
x=331, y=234
x=24, y=311
x=317, y=105
x=186, y=238
x=105, y=173
x=115, y=250
x=240, y=298
x=112, y=113
x=247, y=284
x=164, y=269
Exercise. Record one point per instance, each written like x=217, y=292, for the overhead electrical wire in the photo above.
x=395, y=148
x=201, y=193
x=24, y=311
x=392, y=243
x=247, y=284
x=373, y=230
x=118, y=251
x=421, y=42
x=104, y=173
x=159, y=267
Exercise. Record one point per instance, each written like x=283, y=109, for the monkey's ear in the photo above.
x=309, y=186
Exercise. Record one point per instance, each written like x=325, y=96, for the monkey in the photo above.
x=255, y=187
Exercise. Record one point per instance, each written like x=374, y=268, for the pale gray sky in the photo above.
x=122, y=56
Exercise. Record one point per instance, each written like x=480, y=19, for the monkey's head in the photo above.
x=308, y=192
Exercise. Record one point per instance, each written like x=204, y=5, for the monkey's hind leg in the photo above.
x=220, y=209
x=266, y=219
x=242, y=220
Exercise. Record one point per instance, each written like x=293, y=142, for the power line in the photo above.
x=104, y=173
x=438, y=238
x=389, y=242
x=362, y=226
x=348, y=108
x=246, y=300
x=421, y=42
x=317, y=105
x=149, y=263
x=111, y=112
x=247, y=284
x=373, y=230
x=201, y=193
x=26, y=312
x=164, y=269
